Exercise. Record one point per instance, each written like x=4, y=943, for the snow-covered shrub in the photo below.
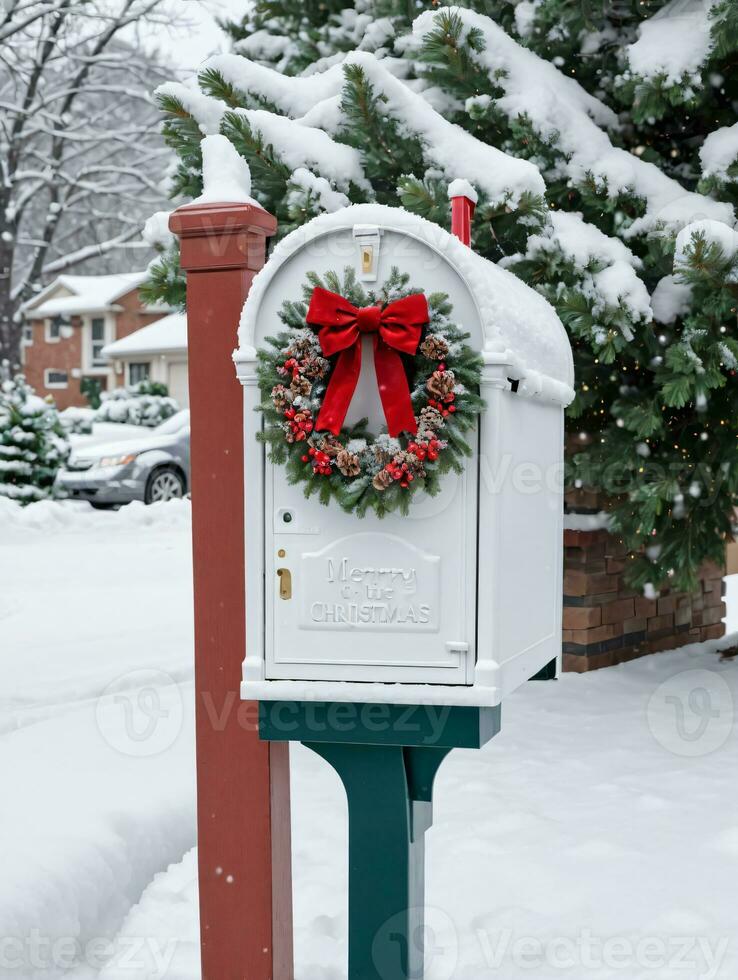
x=33, y=443
x=91, y=388
x=146, y=403
x=77, y=421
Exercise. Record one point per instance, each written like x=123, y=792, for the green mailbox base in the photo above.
x=387, y=757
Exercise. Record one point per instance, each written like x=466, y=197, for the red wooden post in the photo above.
x=242, y=783
x=462, y=212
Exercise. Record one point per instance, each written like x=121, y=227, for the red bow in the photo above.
x=397, y=327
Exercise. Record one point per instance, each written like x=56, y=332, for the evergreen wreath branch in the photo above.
x=359, y=470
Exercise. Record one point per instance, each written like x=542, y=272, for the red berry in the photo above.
x=451, y=408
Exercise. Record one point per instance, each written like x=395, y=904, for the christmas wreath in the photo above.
x=428, y=380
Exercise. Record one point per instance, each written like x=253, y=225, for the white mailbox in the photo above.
x=458, y=600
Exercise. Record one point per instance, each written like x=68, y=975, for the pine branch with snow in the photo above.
x=582, y=193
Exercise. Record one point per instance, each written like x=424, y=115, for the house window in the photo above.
x=54, y=328
x=97, y=332
x=27, y=337
x=138, y=372
x=55, y=379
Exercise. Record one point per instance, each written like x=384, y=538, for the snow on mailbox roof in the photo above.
x=82, y=294
x=522, y=330
x=161, y=337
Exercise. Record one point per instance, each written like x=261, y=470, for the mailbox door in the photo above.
x=365, y=599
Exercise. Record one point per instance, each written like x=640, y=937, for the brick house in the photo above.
x=69, y=323
x=157, y=352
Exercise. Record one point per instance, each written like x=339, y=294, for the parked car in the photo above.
x=151, y=467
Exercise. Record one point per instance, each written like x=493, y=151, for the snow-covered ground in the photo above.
x=95, y=647
x=595, y=837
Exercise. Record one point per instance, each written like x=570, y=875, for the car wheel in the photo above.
x=163, y=484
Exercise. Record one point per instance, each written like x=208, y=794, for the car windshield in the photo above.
x=174, y=424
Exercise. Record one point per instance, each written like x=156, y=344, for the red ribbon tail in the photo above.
x=393, y=389
x=340, y=389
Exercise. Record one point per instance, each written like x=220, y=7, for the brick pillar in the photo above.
x=242, y=783
x=606, y=623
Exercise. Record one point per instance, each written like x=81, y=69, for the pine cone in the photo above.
x=300, y=348
x=430, y=418
x=441, y=383
x=300, y=386
x=348, y=463
x=435, y=348
x=330, y=446
x=381, y=456
x=382, y=480
x=314, y=367
x=281, y=397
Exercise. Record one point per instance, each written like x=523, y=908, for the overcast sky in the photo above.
x=188, y=47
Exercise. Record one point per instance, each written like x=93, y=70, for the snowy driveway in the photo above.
x=595, y=837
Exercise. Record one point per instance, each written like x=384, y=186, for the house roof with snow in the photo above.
x=72, y=295
x=165, y=336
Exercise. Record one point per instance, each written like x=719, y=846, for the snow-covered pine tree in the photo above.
x=598, y=137
x=33, y=443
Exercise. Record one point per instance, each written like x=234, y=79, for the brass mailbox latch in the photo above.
x=367, y=257
x=367, y=238
x=285, y=583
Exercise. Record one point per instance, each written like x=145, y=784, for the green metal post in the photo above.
x=387, y=757
x=389, y=791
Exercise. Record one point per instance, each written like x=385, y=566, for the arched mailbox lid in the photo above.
x=468, y=634
x=517, y=326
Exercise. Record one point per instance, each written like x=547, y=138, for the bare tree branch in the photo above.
x=82, y=254
x=80, y=150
